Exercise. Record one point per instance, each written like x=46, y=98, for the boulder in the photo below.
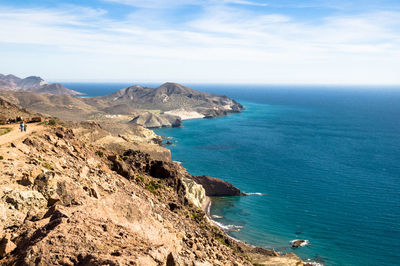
x=46, y=183
x=216, y=187
x=36, y=119
x=30, y=142
x=24, y=200
x=298, y=243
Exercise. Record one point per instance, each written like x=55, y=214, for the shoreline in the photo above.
x=260, y=255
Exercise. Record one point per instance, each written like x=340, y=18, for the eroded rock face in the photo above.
x=216, y=187
x=194, y=192
x=127, y=209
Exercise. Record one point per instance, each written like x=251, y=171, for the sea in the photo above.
x=320, y=163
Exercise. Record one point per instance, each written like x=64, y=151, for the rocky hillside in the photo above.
x=33, y=84
x=165, y=106
x=173, y=96
x=82, y=194
x=11, y=112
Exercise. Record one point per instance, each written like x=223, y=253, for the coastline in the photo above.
x=258, y=255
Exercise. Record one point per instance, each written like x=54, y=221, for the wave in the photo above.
x=216, y=216
x=254, y=193
x=229, y=227
x=313, y=263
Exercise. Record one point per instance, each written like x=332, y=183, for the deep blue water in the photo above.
x=328, y=159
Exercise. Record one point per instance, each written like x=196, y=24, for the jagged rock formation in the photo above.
x=216, y=187
x=33, y=84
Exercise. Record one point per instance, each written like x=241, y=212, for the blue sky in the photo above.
x=209, y=41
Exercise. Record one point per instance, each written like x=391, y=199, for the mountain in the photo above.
x=33, y=84
x=174, y=97
x=164, y=106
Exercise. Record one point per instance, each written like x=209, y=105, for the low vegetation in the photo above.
x=153, y=186
x=139, y=177
x=4, y=131
x=99, y=153
x=47, y=166
x=52, y=122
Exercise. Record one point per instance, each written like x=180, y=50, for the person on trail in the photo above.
x=21, y=126
x=25, y=126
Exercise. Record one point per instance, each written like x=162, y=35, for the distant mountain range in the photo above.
x=33, y=84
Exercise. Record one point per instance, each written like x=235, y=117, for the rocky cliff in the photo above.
x=216, y=187
x=78, y=195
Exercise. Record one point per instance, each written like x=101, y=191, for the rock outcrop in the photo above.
x=298, y=243
x=150, y=120
x=195, y=193
x=216, y=187
x=65, y=199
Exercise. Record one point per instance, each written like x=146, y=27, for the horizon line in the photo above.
x=223, y=83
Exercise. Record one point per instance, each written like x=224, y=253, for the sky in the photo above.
x=203, y=41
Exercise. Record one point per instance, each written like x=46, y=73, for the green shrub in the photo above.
x=52, y=122
x=99, y=153
x=153, y=186
x=197, y=216
x=140, y=178
x=47, y=166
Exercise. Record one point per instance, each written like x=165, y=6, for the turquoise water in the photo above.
x=327, y=158
x=329, y=163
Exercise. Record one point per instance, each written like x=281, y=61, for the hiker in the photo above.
x=21, y=125
x=25, y=126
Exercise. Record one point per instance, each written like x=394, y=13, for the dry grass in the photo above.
x=4, y=131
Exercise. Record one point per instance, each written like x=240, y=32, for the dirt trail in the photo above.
x=16, y=133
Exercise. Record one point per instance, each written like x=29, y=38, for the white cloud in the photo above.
x=220, y=45
x=173, y=3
